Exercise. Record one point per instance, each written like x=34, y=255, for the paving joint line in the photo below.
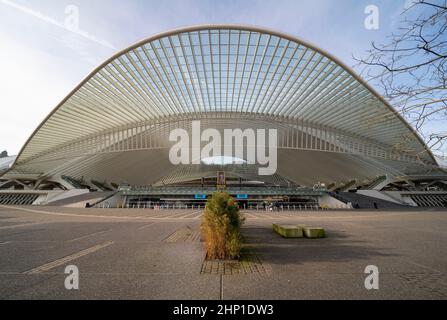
x=64, y=260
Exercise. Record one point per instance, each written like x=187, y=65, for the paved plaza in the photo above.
x=147, y=254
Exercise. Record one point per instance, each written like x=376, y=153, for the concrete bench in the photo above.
x=299, y=231
x=314, y=232
x=288, y=231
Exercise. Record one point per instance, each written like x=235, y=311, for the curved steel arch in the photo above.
x=138, y=94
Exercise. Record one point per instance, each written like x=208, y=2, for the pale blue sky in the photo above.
x=41, y=61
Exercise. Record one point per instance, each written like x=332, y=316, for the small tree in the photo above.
x=221, y=227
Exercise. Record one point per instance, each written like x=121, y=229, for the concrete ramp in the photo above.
x=360, y=201
x=81, y=200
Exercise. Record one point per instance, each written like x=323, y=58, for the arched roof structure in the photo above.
x=115, y=121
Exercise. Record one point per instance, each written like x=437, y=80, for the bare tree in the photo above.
x=411, y=69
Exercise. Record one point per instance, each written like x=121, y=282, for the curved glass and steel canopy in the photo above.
x=114, y=125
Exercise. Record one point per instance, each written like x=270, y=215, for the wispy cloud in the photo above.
x=54, y=22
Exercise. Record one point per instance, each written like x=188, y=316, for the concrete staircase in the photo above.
x=18, y=199
x=364, y=202
x=81, y=200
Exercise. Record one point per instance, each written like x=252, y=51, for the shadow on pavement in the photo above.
x=337, y=247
